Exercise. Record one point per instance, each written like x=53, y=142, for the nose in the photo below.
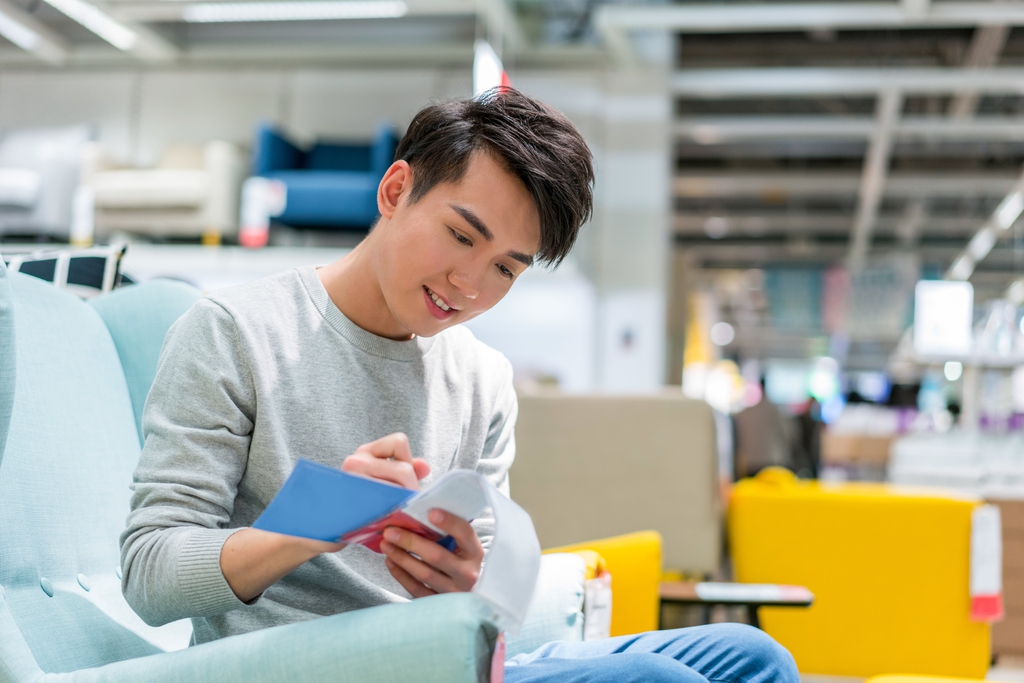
x=465, y=283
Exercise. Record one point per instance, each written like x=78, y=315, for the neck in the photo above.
x=354, y=287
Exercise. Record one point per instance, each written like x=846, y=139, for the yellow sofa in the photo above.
x=889, y=569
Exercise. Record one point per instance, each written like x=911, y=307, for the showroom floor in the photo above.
x=1009, y=671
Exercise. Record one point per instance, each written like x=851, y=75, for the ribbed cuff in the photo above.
x=200, y=576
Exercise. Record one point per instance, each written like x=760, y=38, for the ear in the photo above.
x=396, y=182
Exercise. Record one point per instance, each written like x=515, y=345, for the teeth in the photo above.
x=437, y=300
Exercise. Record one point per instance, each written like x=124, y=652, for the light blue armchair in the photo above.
x=70, y=375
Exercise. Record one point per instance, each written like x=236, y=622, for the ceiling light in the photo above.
x=1009, y=210
x=98, y=21
x=17, y=33
x=962, y=268
x=308, y=10
x=981, y=244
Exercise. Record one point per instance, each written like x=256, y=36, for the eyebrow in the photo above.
x=481, y=228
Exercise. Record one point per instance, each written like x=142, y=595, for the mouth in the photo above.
x=438, y=307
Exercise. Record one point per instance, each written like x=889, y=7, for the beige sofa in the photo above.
x=192, y=192
x=599, y=465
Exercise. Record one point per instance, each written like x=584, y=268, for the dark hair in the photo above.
x=537, y=144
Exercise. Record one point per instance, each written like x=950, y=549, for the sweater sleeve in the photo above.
x=197, y=424
x=499, y=449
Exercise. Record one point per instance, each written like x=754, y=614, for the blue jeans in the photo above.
x=732, y=653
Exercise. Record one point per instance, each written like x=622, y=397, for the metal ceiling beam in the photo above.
x=906, y=227
x=873, y=176
x=781, y=185
x=986, y=46
x=760, y=18
x=711, y=130
x=812, y=81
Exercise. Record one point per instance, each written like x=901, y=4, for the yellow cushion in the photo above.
x=634, y=561
x=889, y=569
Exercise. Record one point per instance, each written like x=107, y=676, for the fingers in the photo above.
x=399, y=472
x=420, y=570
x=389, y=459
x=391, y=446
x=468, y=542
x=433, y=565
x=415, y=588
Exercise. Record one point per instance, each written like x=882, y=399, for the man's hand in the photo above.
x=424, y=567
x=388, y=459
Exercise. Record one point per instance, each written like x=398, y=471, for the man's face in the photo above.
x=455, y=253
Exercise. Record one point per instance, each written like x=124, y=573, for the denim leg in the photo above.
x=728, y=653
x=623, y=667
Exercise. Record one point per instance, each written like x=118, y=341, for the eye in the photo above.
x=460, y=238
x=506, y=272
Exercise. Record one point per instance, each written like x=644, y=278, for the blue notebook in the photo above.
x=325, y=503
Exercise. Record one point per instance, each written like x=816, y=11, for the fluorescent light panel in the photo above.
x=98, y=21
x=303, y=10
x=17, y=33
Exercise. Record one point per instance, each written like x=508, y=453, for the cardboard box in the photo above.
x=1008, y=636
x=845, y=449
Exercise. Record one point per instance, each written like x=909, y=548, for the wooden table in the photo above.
x=748, y=595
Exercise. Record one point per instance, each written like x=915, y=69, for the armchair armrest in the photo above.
x=440, y=639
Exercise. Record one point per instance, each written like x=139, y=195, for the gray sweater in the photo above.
x=250, y=380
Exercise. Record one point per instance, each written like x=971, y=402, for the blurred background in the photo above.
x=775, y=182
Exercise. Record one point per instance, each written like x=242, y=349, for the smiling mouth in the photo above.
x=439, y=302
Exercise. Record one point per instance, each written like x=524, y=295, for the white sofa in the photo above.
x=192, y=192
x=39, y=171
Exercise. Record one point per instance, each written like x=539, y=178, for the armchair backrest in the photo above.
x=274, y=152
x=65, y=473
x=383, y=151
x=138, y=318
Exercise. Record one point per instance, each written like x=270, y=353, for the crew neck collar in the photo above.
x=406, y=351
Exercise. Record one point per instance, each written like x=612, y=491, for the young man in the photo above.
x=360, y=365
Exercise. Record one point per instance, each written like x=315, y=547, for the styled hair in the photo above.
x=537, y=144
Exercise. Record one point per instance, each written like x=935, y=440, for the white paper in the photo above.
x=509, y=574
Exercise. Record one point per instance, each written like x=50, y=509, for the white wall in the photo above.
x=137, y=113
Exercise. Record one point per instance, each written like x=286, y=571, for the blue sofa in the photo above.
x=330, y=185
x=73, y=377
